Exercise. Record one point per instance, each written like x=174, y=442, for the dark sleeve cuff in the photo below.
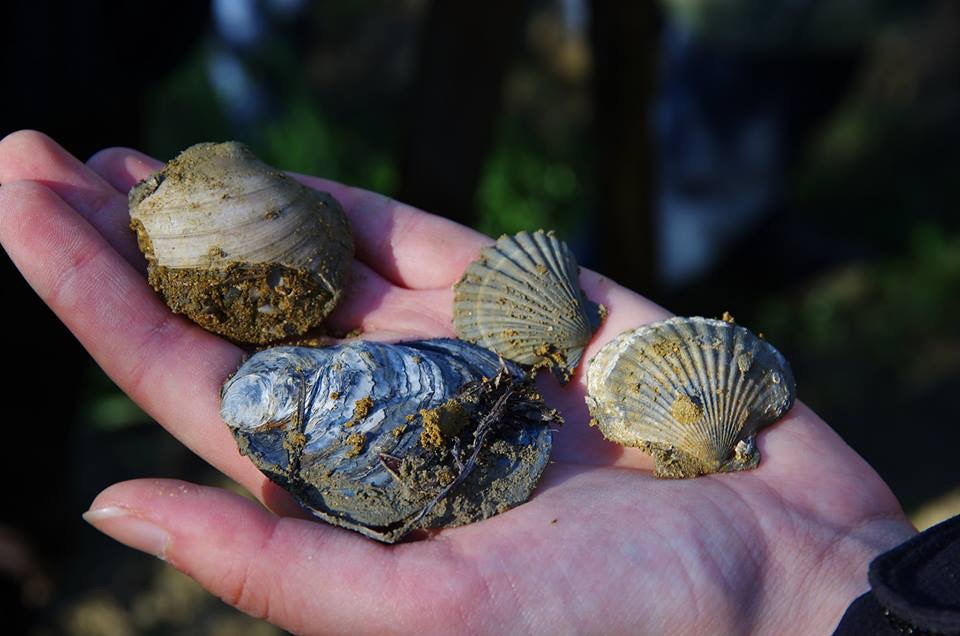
x=915, y=588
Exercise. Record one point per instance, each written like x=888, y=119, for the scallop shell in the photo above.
x=522, y=299
x=693, y=392
x=239, y=247
x=387, y=438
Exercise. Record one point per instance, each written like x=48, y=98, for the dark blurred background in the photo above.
x=794, y=162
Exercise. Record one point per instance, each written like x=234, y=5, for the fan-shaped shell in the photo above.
x=367, y=435
x=239, y=247
x=691, y=391
x=522, y=299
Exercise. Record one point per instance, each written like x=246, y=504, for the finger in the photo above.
x=170, y=367
x=800, y=452
x=405, y=246
x=372, y=304
x=123, y=167
x=32, y=156
x=305, y=576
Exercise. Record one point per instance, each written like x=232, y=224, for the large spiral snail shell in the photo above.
x=239, y=247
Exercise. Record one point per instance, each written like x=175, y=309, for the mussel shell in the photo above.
x=239, y=247
x=342, y=429
x=691, y=391
x=522, y=299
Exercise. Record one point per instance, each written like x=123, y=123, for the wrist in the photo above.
x=839, y=572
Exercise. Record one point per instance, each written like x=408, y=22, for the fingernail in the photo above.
x=126, y=527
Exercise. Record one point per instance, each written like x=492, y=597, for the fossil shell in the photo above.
x=387, y=438
x=693, y=392
x=522, y=299
x=239, y=247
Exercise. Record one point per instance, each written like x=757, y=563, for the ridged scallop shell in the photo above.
x=693, y=392
x=522, y=299
x=239, y=247
x=368, y=435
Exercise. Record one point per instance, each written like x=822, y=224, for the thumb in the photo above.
x=304, y=576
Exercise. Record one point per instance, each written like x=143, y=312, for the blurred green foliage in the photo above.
x=527, y=186
x=813, y=24
x=305, y=140
x=527, y=182
x=183, y=110
x=299, y=134
x=105, y=407
x=892, y=320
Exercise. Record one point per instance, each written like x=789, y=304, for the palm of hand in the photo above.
x=602, y=546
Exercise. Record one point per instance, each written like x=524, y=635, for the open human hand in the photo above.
x=601, y=547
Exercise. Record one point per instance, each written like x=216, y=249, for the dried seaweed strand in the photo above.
x=295, y=440
x=487, y=423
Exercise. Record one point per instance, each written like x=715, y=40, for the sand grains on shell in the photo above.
x=241, y=248
x=522, y=299
x=692, y=392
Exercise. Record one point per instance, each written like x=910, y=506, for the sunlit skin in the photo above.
x=602, y=547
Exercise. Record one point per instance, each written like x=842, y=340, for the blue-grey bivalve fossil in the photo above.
x=239, y=247
x=692, y=392
x=522, y=299
x=388, y=438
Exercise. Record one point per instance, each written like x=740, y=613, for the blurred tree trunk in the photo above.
x=625, y=38
x=454, y=102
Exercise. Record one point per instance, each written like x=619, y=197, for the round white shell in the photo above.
x=241, y=248
x=691, y=391
x=236, y=208
x=522, y=299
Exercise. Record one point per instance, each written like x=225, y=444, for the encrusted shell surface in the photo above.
x=522, y=299
x=387, y=438
x=239, y=247
x=693, y=392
